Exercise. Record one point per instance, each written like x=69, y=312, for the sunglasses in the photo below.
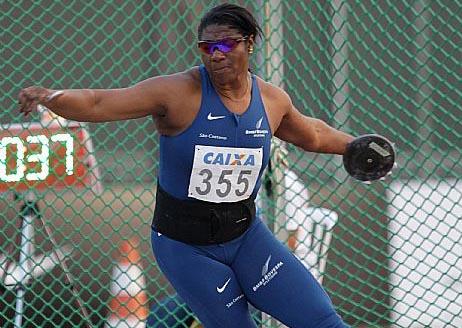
x=224, y=45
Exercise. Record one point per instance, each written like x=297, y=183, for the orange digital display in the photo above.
x=37, y=157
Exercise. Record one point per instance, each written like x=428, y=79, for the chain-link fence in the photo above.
x=77, y=200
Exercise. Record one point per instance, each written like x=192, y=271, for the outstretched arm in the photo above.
x=309, y=133
x=149, y=97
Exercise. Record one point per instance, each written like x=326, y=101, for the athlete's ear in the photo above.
x=250, y=44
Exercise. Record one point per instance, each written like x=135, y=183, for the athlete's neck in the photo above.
x=235, y=90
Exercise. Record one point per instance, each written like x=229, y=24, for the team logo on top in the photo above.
x=211, y=117
x=258, y=125
x=212, y=136
x=258, y=132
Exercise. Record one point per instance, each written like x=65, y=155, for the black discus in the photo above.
x=369, y=157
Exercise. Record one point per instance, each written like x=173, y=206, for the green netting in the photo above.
x=389, y=254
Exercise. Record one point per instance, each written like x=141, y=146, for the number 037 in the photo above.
x=43, y=157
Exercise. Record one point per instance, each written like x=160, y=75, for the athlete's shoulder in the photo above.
x=273, y=94
x=165, y=86
x=190, y=75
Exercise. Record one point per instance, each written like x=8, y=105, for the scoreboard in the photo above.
x=34, y=156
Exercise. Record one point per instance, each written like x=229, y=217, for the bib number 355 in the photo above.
x=223, y=174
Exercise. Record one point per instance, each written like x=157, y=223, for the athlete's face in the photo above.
x=226, y=53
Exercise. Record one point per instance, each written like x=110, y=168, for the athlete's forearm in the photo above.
x=331, y=140
x=76, y=104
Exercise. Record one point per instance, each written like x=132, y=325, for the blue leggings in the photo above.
x=218, y=281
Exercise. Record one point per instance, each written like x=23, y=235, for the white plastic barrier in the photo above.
x=426, y=253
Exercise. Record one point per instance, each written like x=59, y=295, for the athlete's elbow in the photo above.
x=324, y=138
x=314, y=142
x=312, y=145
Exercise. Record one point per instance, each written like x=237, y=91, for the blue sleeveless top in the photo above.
x=216, y=126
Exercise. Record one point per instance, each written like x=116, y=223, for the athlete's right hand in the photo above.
x=29, y=98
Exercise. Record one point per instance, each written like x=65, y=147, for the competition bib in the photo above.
x=224, y=174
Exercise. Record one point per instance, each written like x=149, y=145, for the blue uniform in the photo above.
x=220, y=158
x=214, y=125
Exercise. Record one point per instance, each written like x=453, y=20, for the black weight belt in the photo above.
x=199, y=222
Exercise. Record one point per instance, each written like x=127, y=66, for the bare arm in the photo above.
x=309, y=133
x=149, y=97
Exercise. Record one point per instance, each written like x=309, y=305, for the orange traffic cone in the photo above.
x=129, y=304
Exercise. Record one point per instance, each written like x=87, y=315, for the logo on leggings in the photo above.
x=264, y=270
x=267, y=273
x=222, y=289
x=234, y=300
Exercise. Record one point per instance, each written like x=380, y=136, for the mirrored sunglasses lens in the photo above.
x=225, y=46
x=230, y=43
x=204, y=47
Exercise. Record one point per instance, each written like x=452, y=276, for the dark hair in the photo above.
x=233, y=16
